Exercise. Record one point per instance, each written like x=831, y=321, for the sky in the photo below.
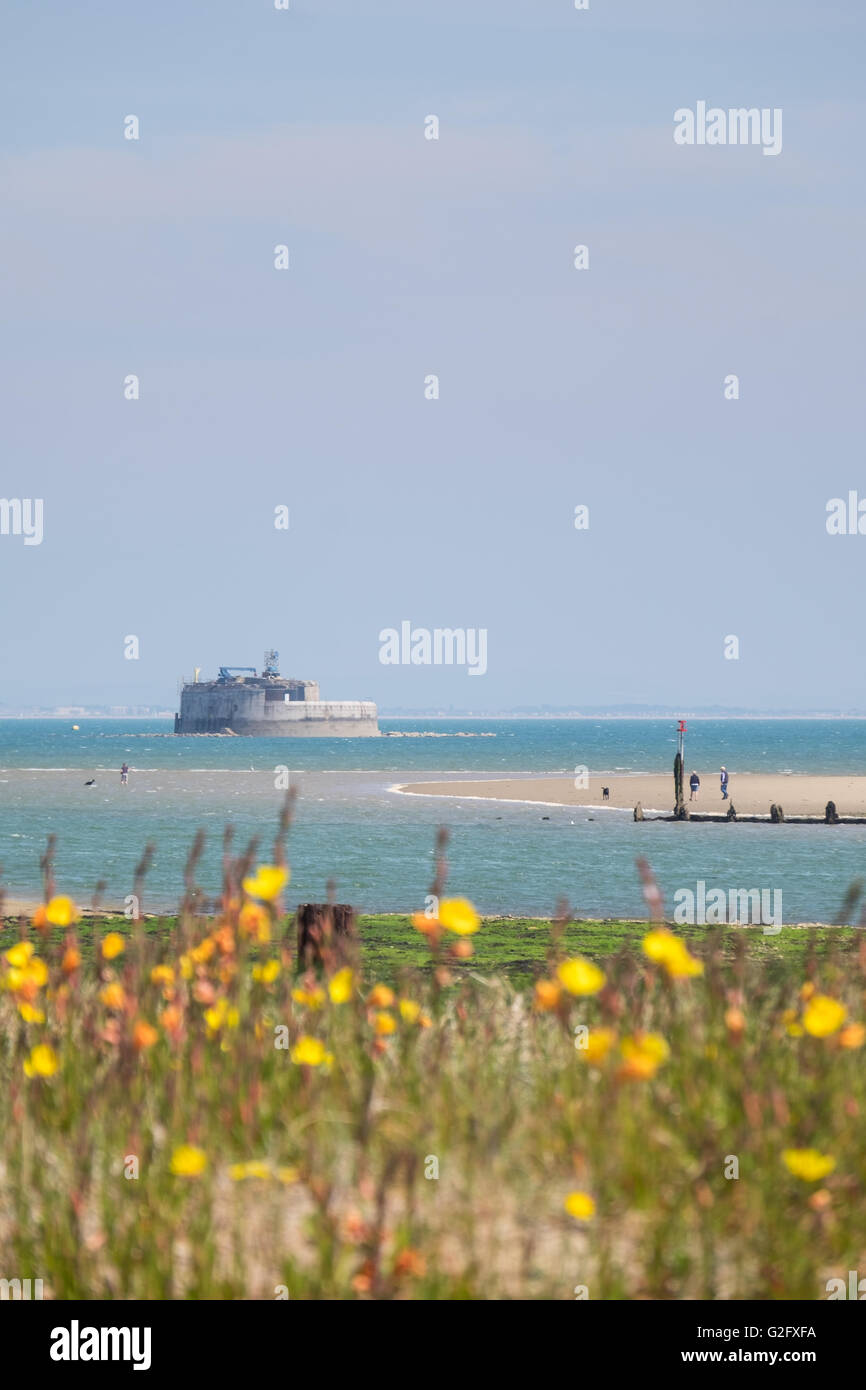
x=410, y=257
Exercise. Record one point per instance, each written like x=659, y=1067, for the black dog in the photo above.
x=605, y=793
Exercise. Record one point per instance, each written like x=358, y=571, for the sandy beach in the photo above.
x=751, y=793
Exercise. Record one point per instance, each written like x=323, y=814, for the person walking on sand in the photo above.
x=723, y=778
x=124, y=775
x=694, y=786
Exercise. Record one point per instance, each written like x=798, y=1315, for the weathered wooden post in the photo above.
x=680, y=812
x=326, y=933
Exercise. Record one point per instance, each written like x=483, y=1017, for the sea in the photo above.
x=375, y=845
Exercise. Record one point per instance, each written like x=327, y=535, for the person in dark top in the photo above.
x=724, y=783
x=694, y=786
x=124, y=775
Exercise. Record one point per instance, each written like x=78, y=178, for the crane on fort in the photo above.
x=229, y=673
x=270, y=668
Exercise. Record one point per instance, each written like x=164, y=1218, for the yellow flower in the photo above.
x=458, y=915
x=186, y=966
x=113, y=945
x=42, y=1061
x=823, y=1016
x=220, y=1015
x=381, y=997
x=599, y=1041
x=409, y=1010
x=62, y=912
x=309, y=1052
x=311, y=998
x=19, y=954
x=113, y=996
x=808, y=1164
x=37, y=972
x=267, y=882
x=267, y=973
x=807, y=990
x=27, y=979
x=254, y=1169
x=30, y=1013
x=792, y=1026
x=384, y=1024
x=162, y=975
x=188, y=1162
x=657, y=944
x=580, y=976
x=288, y=1175
x=643, y=1054
x=852, y=1036
x=340, y=986
x=580, y=1205
x=663, y=947
x=202, y=953
x=680, y=964
x=547, y=994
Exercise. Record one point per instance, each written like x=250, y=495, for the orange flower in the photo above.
x=203, y=992
x=71, y=960
x=735, y=1021
x=384, y=1024
x=254, y=921
x=144, y=1035
x=380, y=997
x=410, y=1262
x=171, y=1019
x=113, y=996
x=225, y=940
x=854, y=1035
x=202, y=953
x=462, y=950
x=428, y=926
x=547, y=995
x=643, y=1053
x=597, y=1045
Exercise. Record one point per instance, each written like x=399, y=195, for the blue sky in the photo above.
x=454, y=257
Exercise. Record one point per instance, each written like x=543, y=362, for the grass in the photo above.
x=184, y=1113
x=515, y=947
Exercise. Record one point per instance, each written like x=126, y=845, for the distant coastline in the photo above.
x=721, y=716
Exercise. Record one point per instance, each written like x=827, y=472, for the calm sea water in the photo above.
x=377, y=844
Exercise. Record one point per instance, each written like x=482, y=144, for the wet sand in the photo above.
x=751, y=793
